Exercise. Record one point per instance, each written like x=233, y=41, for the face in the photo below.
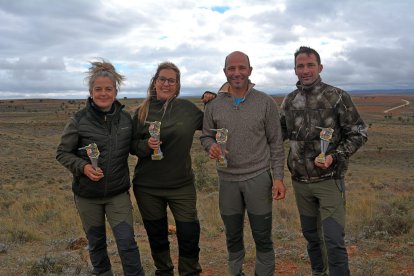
x=166, y=84
x=307, y=68
x=238, y=71
x=103, y=93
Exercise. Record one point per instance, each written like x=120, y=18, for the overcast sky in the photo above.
x=45, y=45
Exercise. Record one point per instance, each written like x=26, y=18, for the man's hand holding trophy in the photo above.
x=221, y=138
x=325, y=136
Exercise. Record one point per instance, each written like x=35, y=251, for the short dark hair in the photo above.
x=308, y=51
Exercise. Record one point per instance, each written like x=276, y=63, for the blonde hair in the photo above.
x=143, y=108
x=103, y=68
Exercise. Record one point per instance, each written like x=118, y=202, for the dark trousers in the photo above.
x=153, y=204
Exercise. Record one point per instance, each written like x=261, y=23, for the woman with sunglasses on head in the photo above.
x=169, y=180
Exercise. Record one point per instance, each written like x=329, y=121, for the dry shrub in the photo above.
x=360, y=209
x=209, y=214
x=204, y=180
x=46, y=266
x=371, y=267
x=395, y=218
x=32, y=217
x=21, y=234
x=391, y=219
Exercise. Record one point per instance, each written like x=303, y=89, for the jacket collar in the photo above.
x=308, y=87
x=225, y=89
x=115, y=108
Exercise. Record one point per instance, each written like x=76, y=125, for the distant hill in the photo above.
x=368, y=92
x=384, y=92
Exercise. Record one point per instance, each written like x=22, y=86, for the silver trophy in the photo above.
x=154, y=130
x=221, y=138
x=93, y=153
x=326, y=136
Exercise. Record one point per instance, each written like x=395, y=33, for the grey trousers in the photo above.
x=255, y=196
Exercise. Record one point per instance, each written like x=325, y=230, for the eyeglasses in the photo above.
x=169, y=81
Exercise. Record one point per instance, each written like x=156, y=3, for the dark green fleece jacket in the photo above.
x=178, y=124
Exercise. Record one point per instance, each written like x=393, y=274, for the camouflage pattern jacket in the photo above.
x=306, y=110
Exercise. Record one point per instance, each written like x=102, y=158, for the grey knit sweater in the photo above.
x=254, y=142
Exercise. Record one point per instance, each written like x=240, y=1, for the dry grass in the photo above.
x=39, y=222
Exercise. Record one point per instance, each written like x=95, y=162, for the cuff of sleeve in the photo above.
x=208, y=92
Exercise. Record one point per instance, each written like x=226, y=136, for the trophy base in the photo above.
x=157, y=156
x=222, y=162
x=321, y=158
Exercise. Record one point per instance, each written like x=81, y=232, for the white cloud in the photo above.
x=46, y=45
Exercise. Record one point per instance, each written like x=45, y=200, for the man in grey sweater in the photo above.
x=255, y=158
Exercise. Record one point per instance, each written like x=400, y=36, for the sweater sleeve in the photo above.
x=67, y=148
x=207, y=138
x=283, y=120
x=275, y=140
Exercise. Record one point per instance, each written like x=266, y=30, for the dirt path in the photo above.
x=406, y=103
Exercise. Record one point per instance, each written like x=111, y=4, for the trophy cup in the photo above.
x=93, y=154
x=221, y=138
x=154, y=130
x=326, y=136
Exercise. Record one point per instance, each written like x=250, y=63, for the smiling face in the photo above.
x=103, y=93
x=237, y=70
x=166, y=84
x=307, y=68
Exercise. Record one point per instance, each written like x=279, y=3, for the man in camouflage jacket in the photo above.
x=319, y=185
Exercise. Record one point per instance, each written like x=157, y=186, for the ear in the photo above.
x=320, y=68
x=251, y=70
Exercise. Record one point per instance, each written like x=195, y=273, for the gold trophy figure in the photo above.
x=93, y=153
x=326, y=136
x=221, y=138
x=154, y=130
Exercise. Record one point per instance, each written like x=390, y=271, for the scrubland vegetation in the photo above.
x=41, y=234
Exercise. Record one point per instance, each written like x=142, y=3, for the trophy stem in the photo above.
x=94, y=162
x=154, y=130
x=222, y=161
x=325, y=136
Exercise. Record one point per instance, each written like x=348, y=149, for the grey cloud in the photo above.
x=44, y=44
x=282, y=65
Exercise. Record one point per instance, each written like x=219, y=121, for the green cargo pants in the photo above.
x=118, y=211
x=321, y=207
